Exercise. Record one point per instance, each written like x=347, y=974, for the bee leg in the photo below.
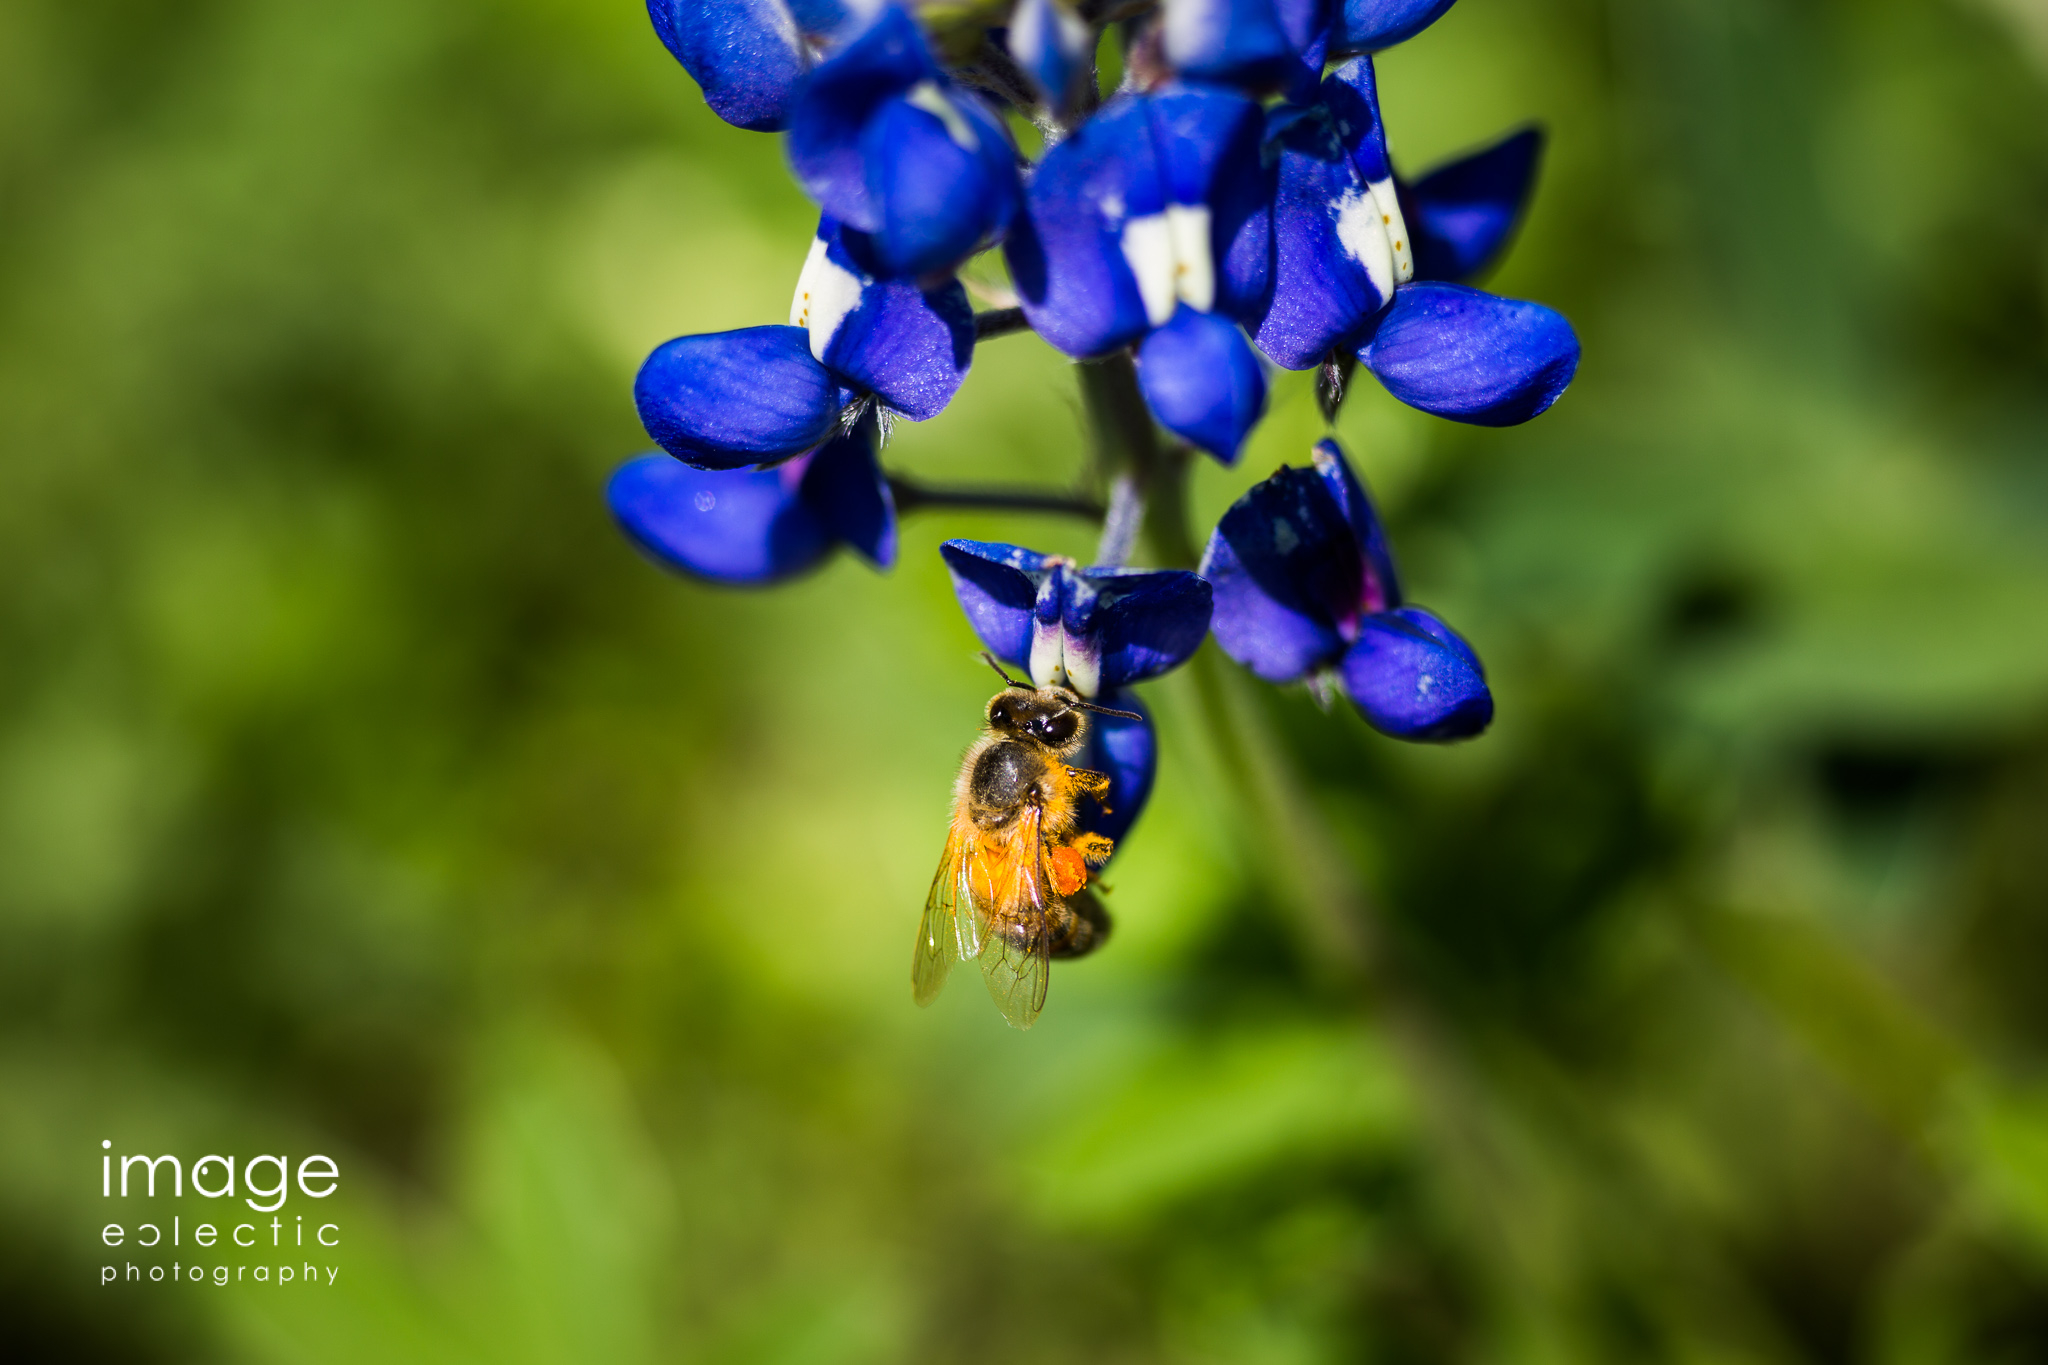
x=1094, y=849
x=1091, y=784
x=1082, y=927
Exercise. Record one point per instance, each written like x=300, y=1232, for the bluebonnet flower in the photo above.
x=1345, y=274
x=1253, y=44
x=1363, y=26
x=1055, y=49
x=748, y=55
x=1094, y=630
x=723, y=400
x=1264, y=45
x=1462, y=214
x=1170, y=236
x=1305, y=588
x=759, y=526
x=1150, y=225
x=918, y=169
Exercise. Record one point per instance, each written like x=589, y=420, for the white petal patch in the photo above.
x=927, y=96
x=826, y=292
x=1048, y=655
x=1059, y=660
x=1396, y=228
x=1362, y=231
x=1194, y=268
x=1149, y=249
x=1083, y=668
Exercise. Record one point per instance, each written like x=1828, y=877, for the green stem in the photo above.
x=1146, y=479
x=912, y=496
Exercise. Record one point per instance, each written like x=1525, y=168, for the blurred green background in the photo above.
x=361, y=792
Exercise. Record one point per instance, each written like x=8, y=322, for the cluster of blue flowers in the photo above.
x=1230, y=207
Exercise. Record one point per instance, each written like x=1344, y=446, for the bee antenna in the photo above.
x=1106, y=711
x=990, y=660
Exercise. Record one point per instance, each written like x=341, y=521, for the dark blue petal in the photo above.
x=1413, y=678
x=821, y=16
x=1054, y=47
x=746, y=54
x=833, y=109
x=1369, y=25
x=1333, y=266
x=1462, y=214
x=1351, y=94
x=910, y=346
x=997, y=585
x=941, y=179
x=1241, y=42
x=1381, y=589
x=1306, y=23
x=1066, y=250
x=1472, y=356
x=1287, y=576
x=846, y=488
x=1308, y=27
x=726, y=525
x=1125, y=751
x=727, y=399
x=1142, y=622
x=1202, y=381
x=1209, y=155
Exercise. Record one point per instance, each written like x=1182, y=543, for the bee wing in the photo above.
x=939, y=933
x=1016, y=959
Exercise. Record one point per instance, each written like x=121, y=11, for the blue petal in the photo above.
x=910, y=346
x=1369, y=25
x=996, y=585
x=1287, y=575
x=1351, y=93
x=1209, y=144
x=1241, y=42
x=726, y=399
x=1413, y=678
x=848, y=492
x=1142, y=622
x=1462, y=214
x=1202, y=381
x=821, y=16
x=746, y=54
x=1054, y=47
x=1381, y=590
x=729, y=526
x=1306, y=23
x=834, y=107
x=1323, y=215
x=939, y=184
x=1065, y=250
x=1308, y=27
x=1471, y=356
x=1125, y=751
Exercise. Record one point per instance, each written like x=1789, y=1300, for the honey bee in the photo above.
x=1012, y=889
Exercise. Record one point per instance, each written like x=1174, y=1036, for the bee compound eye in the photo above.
x=1058, y=729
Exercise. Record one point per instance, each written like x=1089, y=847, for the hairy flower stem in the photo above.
x=1146, y=479
x=912, y=496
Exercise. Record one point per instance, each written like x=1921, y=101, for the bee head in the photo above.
x=1029, y=713
x=1051, y=715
